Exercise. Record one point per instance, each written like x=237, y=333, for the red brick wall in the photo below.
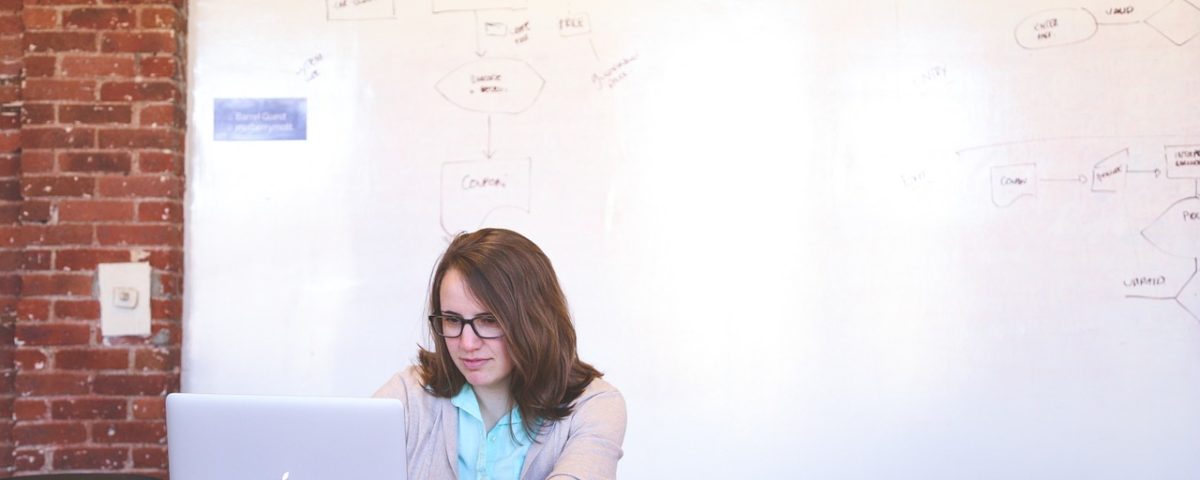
x=11, y=255
x=91, y=171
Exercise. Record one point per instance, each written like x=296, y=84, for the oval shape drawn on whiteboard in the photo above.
x=1055, y=28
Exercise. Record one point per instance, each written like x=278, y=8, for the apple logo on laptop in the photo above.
x=285, y=475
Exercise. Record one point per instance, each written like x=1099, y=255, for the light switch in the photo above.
x=124, y=298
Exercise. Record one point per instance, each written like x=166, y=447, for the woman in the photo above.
x=503, y=394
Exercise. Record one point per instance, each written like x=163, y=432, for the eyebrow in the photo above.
x=481, y=314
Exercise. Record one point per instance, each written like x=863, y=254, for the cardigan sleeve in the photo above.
x=394, y=388
x=593, y=446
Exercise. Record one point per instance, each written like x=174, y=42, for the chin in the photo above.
x=477, y=380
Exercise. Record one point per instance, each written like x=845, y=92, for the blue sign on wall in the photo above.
x=250, y=119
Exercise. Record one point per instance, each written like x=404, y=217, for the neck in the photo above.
x=494, y=403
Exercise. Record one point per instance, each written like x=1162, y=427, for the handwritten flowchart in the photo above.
x=1175, y=232
x=1176, y=20
x=494, y=81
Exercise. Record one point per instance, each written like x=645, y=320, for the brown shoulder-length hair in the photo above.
x=510, y=276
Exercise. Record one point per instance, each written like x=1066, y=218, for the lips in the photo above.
x=474, y=363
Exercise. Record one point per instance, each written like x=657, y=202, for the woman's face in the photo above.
x=483, y=361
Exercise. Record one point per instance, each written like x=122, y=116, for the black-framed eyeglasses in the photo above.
x=451, y=326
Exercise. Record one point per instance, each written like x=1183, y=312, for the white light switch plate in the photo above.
x=124, y=299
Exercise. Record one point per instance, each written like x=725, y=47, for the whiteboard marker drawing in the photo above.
x=573, y=24
x=1108, y=175
x=487, y=151
x=473, y=190
x=1054, y=28
x=1177, y=230
x=309, y=70
x=615, y=74
x=479, y=51
x=1179, y=21
x=1130, y=12
x=1183, y=161
x=1011, y=182
x=492, y=85
x=1076, y=179
x=1188, y=296
x=443, y=6
x=360, y=9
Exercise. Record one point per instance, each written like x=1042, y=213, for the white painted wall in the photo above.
x=782, y=232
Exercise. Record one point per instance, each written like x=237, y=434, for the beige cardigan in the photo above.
x=585, y=445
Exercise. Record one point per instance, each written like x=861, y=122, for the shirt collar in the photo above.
x=466, y=401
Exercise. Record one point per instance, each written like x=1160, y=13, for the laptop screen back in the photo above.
x=284, y=438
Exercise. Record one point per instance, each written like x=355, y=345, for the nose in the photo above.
x=469, y=340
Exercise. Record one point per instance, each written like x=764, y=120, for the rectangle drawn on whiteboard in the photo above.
x=253, y=119
x=1183, y=161
x=469, y=5
x=360, y=9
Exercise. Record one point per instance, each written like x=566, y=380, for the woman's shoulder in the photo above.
x=587, y=443
x=407, y=386
x=600, y=386
x=600, y=400
x=401, y=383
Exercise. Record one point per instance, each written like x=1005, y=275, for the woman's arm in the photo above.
x=394, y=388
x=597, y=429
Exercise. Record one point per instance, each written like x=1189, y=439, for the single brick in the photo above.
x=92, y=359
x=39, y=18
x=52, y=383
x=77, y=309
x=56, y=186
x=37, y=235
x=99, y=18
x=58, y=284
x=45, y=334
x=89, y=409
x=141, y=139
x=91, y=458
x=38, y=66
x=96, y=162
x=95, y=211
x=140, y=384
x=58, y=137
x=50, y=433
x=155, y=211
x=146, y=42
x=59, y=89
x=98, y=66
x=137, y=432
x=51, y=42
x=145, y=186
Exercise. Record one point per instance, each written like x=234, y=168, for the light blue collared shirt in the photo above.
x=499, y=455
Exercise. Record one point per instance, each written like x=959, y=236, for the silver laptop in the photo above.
x=233, y=437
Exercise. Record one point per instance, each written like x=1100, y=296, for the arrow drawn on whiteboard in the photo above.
x=479, y=51
x=1156, y=172
x=488, y=151
x=1080, y=179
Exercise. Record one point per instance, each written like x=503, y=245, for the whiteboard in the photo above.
x=894, y=239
